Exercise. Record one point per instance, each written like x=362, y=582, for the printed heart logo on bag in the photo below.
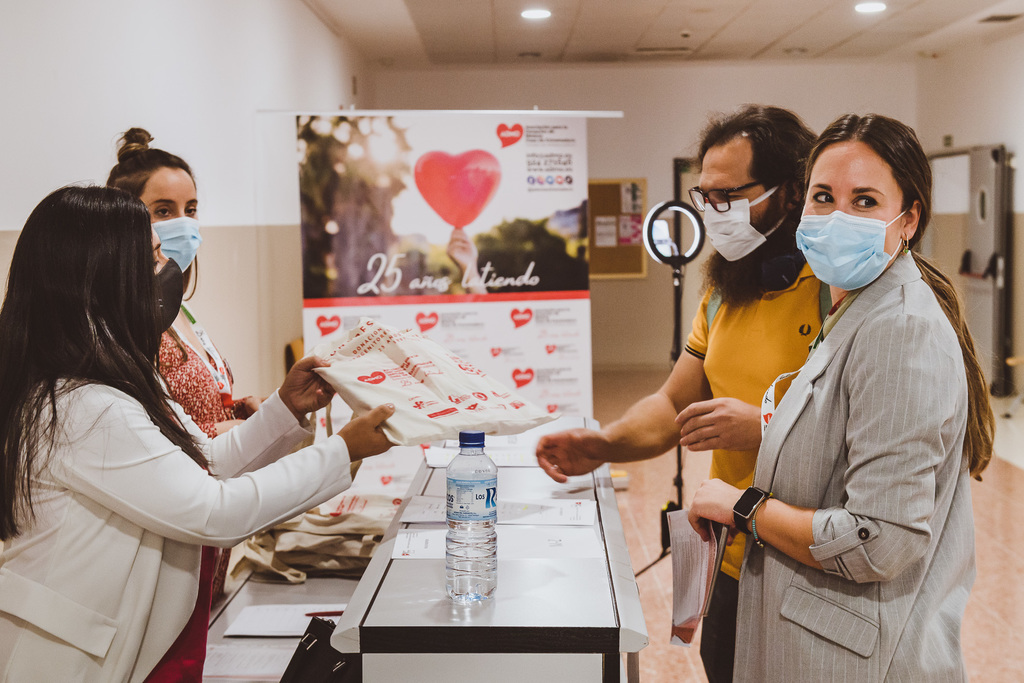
x=550, y=348
x=372, y=378
x=458, y=187
x=522, y=377
x=495, y=350
x=767, y=417
x=386, y=479
x=426, y=320
x=327, y=325
x=552, y=407
x=520, y=318
x=509, y=135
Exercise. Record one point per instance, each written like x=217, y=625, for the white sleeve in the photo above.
x=267, y=435
x=112, y=453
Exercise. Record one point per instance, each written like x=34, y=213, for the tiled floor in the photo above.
x=993, y=629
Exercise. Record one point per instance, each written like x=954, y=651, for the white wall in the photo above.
x=665, y=108
x=977, y=96
x=196, y=74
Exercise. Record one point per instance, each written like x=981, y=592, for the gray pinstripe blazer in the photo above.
x=870, y=434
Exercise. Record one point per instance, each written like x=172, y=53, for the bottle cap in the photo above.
x=471, y=439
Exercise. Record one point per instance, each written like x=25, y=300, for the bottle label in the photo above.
x=472, y=500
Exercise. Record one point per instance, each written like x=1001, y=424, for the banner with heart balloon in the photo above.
x=467, y=228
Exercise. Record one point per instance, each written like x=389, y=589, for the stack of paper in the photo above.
x=695, y=564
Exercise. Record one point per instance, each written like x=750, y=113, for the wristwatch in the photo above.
x=746, y=506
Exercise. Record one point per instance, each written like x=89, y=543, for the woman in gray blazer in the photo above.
x=860, y=512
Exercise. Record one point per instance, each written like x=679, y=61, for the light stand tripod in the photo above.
x=668, y=249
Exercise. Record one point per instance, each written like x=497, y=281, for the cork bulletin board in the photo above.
x=615, y=228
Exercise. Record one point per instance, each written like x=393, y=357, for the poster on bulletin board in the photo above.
x=467, y=227
x=616, y=217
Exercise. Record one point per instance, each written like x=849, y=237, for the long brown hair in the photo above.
x=897, y=145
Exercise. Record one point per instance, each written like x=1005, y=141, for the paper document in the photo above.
x=280, y=620
x=246, y=662
x=427, y=541
x=695, y=566
x=438, y=456
x=527, y=440
x=561, y=512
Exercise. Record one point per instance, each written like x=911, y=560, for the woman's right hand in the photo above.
x=364, y=435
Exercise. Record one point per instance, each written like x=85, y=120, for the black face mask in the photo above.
x=170, y=288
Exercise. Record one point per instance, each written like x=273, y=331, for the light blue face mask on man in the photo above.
x=179, y=239
x=844, y=251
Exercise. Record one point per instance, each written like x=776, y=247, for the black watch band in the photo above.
x=746, y=506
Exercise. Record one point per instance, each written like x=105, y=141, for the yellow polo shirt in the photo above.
x=746, y=348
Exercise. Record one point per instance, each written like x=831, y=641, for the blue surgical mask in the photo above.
x=179, y=239
x=844, y=251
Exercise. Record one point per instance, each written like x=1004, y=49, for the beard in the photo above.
x=743, y=281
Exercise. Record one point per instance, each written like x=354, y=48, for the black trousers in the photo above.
x=718, y=634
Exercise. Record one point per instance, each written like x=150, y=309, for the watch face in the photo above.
x=747, y=501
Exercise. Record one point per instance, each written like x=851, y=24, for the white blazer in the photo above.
x=870, y=435
x=100, y=585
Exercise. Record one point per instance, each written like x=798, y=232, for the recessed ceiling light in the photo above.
x=535, y=14
x=869, y=7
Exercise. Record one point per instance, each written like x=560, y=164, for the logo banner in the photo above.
x=469, y=228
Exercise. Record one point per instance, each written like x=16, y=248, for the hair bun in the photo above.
x=133, y=141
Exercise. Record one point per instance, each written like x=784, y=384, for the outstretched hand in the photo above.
x=364, y=435
x=572, y=452
x=304, y=391
x=721, y=423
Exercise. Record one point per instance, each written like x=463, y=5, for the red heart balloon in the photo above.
x=458, y=187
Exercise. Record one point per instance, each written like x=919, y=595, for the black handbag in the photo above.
x=315, y=661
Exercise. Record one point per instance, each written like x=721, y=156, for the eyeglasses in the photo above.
x=718, y=199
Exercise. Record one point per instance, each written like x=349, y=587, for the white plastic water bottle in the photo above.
x=471, y=557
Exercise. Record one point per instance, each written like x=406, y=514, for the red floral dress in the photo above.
x=192, y=386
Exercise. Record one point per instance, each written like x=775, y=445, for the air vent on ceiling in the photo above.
x=999, y=18
x=663, y=50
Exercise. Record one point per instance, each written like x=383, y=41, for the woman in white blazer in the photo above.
x=106, y=493
x=860, y=512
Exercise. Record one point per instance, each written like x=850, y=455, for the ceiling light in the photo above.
x=869, y=7
x=535, y=14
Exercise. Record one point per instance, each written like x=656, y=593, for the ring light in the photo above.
x=664, y=244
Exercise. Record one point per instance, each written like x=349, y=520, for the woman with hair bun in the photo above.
x=860, y=511
x=198, y=376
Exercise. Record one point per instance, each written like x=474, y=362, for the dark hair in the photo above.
x=778, y=138
x=779, y=143
x=897, y=145
x=136, y=163
x=81, y=308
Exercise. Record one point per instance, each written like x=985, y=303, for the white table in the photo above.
x=550, y=619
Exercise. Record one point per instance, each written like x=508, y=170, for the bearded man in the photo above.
x=760, y=311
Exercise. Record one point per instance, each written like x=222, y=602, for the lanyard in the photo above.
x=768, y=402
x=218, y=369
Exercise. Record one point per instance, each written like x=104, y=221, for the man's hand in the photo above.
x=569, y=453
x=304, y=391
x=364, y=435
x=721, y=423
